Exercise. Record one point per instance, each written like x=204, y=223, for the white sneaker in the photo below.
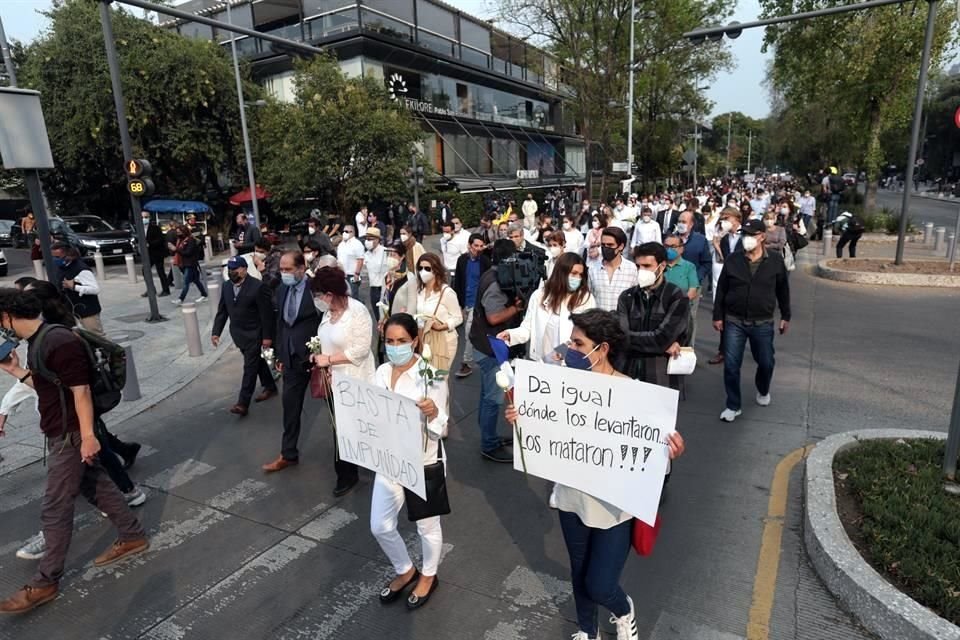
x=176, y=302
x=729, y=415
x=627, y=625
x=582, y=635
x=763, y=401
x=201, y=299
x=553, y=498
x=34, y=548
x=135, y=498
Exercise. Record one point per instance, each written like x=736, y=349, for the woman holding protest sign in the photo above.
x=345, y=335
x=407, y=374
x=597, y=534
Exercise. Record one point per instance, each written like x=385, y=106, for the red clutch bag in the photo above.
x=645, y=536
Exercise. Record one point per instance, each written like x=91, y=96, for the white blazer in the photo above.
x=535, y=323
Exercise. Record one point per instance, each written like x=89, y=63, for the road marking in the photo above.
x=535, y=598
x=179, y=474
x=324, y=526
x=765, y=580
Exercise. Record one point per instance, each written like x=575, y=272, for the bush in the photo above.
x=910, y=526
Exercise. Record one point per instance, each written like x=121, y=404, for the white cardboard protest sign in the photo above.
x=603, y=435
x=379, y=430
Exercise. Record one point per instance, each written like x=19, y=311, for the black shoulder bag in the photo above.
x=437, y=503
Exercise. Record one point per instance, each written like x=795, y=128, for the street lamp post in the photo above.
x=243, y=125
x=633, y=19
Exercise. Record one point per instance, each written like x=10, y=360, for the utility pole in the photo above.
x=729, y=125
x=7, y=58
x=696, y=151
x=633, y=19
x=416, y=180
x=749, y=150
x=243, y=124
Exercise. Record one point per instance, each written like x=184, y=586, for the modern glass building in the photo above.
x=493, y=108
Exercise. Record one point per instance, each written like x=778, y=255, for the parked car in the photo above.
x=92, y=233
x=3, y=264
x=6, y=228
x=850, y=179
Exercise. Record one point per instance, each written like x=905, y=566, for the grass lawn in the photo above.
x=891, y=501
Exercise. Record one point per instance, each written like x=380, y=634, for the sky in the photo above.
x=737, y=90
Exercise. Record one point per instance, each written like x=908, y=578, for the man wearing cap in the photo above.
x=375, y=263
x=247, y=302
x=752, y=284
x=245, y=235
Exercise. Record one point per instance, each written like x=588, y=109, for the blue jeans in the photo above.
x=597, y=557
x=491, y=400
x=735, y=336
x=832, y=208
x=192, y=274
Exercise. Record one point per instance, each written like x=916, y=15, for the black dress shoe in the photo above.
x=128, y=460
x=344, y=486
x=415, y=601
x=387, y=595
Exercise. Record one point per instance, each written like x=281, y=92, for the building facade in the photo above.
x=493, y=109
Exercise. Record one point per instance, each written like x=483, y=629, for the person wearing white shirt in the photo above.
x=556, y=247
x=461, y=236
x=808, y=206
x=646, y=230
x=573, y=237
x=350, y=257
x=529, y=208
x=450, y=248
x=361, y=220
x=375, y=264
x=402, y=374
x=613, y=275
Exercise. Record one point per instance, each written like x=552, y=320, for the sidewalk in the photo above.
x=160, y=356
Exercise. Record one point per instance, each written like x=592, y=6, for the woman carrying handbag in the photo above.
x=598, y=535
x=403, y=374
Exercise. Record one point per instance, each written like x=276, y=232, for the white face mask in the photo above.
x=726, y=225
x=567, y=226
x=393, y=263
x=645, y=278
x=750, y=243
x=645, y=218
x=426, y=276
x=404, y=237
x=595, y=224
x=682, y=228
x=309, y=256
x=347, y=235
x=368, y=244
x=312, y=230
x=556, y=251
x=322, y=305
x=785, y=211
x=447, y=236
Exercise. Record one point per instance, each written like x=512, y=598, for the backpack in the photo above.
x=855, y=225
x=108, y=368
x=837, y=185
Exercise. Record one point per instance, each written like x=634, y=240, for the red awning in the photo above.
x=244, y=196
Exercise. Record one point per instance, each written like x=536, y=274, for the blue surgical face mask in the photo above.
x=672, y=254
x=60, y=262
x=577, y=360
x=573, y=283
x=399, y=354
x=290, y=279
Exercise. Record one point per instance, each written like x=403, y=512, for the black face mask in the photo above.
x=608, y=253
x=235, y=277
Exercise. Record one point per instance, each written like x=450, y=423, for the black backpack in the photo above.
x=108, y=368
x=837, y=185
x=855, y=225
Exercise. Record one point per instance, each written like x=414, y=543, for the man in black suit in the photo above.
x=248, y=303
x=668, y=218
x=297, y=322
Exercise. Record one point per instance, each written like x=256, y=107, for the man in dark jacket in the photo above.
x=158, y=252
x=752, y=285
x=297, y=322
x=654, y=316
x=188, y=255
x=418, y=222
x=466, y=283
x=248, y=304
x=245, y=235
x=316, y=234
x=80, y=287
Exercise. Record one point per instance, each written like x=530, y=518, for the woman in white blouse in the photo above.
x=573, y=239
x=401, y=374
x=597, y=534
x=438, y=309
x=346, y=335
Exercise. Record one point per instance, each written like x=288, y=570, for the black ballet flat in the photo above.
x=415, y=602
x=387, y=595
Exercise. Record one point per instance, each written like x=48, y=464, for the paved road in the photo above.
x=939, y=212
x=20, y=264
x=239, y=554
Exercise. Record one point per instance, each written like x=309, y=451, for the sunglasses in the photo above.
x=425, y=268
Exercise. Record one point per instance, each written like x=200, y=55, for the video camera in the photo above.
x=520, y=274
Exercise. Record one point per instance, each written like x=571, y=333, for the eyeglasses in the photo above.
x=425, y=268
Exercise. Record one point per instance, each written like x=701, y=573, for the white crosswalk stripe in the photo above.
x=178, y=475
x=535, y=597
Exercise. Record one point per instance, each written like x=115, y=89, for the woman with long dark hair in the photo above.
x=597, y=534
x=438, y=309
x=402, y=374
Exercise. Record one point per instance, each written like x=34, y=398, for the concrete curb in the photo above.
x=877, y=605
x=824, y=270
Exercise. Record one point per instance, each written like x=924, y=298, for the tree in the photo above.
x=181, y=106
x=592, y=40
x=849, y=80
x=340, y=135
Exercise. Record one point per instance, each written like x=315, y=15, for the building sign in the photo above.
x=397, y=86
x=528, y=174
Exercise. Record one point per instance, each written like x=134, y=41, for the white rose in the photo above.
x=503, y=380
x=425, y=353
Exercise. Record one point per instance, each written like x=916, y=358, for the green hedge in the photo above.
x=910, y=527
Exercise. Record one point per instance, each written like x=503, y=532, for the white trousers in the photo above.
x=385, y=505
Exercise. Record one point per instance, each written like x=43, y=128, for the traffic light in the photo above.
x=138, y=173
x=419, y=181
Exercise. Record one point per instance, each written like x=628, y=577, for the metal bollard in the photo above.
x=131, y=389
x=233, y=250
x=219, y=241
x=131, y=270
x=38, y=270
x=177, y=278
x=192, y=327
x=208, y=249
x=827, y=241
x=951, y=245
x=213, y=293
x=98, y=264
x=927, y=232
x=938, y=235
